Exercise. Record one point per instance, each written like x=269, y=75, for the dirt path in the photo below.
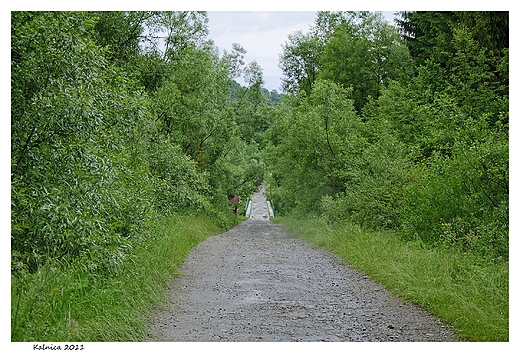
x=258, y=283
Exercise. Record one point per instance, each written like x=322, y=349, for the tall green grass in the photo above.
x=466, y=292
x=66, y=302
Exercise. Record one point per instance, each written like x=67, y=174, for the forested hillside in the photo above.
x=398, y=128
x=124, y=123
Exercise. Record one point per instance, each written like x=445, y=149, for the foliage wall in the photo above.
x=121, y=117
x=402, y=128
x=118, y=118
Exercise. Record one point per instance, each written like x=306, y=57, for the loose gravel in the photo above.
x=258, y=283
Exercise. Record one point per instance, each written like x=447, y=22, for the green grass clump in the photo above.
x=62, y=303
x=466, y=292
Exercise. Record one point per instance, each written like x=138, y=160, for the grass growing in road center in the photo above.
x=467, y=293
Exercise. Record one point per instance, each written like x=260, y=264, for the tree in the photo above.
x=315, y=144
x=78, y=185
x=121, y=32
x=299, y=62
x=300, y=57
x=191, y=103
x=235, y=60
x=327, y=22
x=358, y=49
x=366, y=59
x=183, y=29
x=429, y=34
x=249, y=103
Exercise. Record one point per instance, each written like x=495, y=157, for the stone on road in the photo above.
x=258, y=283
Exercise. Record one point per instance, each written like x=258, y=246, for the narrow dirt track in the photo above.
x=258, y=283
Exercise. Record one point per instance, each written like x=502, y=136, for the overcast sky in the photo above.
x=262, y=34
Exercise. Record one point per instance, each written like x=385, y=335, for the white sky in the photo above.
x=262, y=34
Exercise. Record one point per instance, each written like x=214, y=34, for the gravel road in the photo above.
x=258, y=283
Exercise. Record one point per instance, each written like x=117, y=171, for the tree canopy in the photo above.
x=118, y=118
x=404, y=128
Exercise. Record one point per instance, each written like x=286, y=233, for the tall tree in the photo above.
x=121, y=32
x=235, y=60
x=190, y=104
x=299, y=62
x=183, y=28
x=429, y=34
x=366, y=59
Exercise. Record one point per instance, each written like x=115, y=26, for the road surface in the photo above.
x=257, y=283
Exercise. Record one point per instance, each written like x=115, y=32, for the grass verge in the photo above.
x=469, y=294
x=60, y=304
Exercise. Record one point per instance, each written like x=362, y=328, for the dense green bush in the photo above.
x=469, y=189
x=78, y=186
x=106, y=134
x=427, y=156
